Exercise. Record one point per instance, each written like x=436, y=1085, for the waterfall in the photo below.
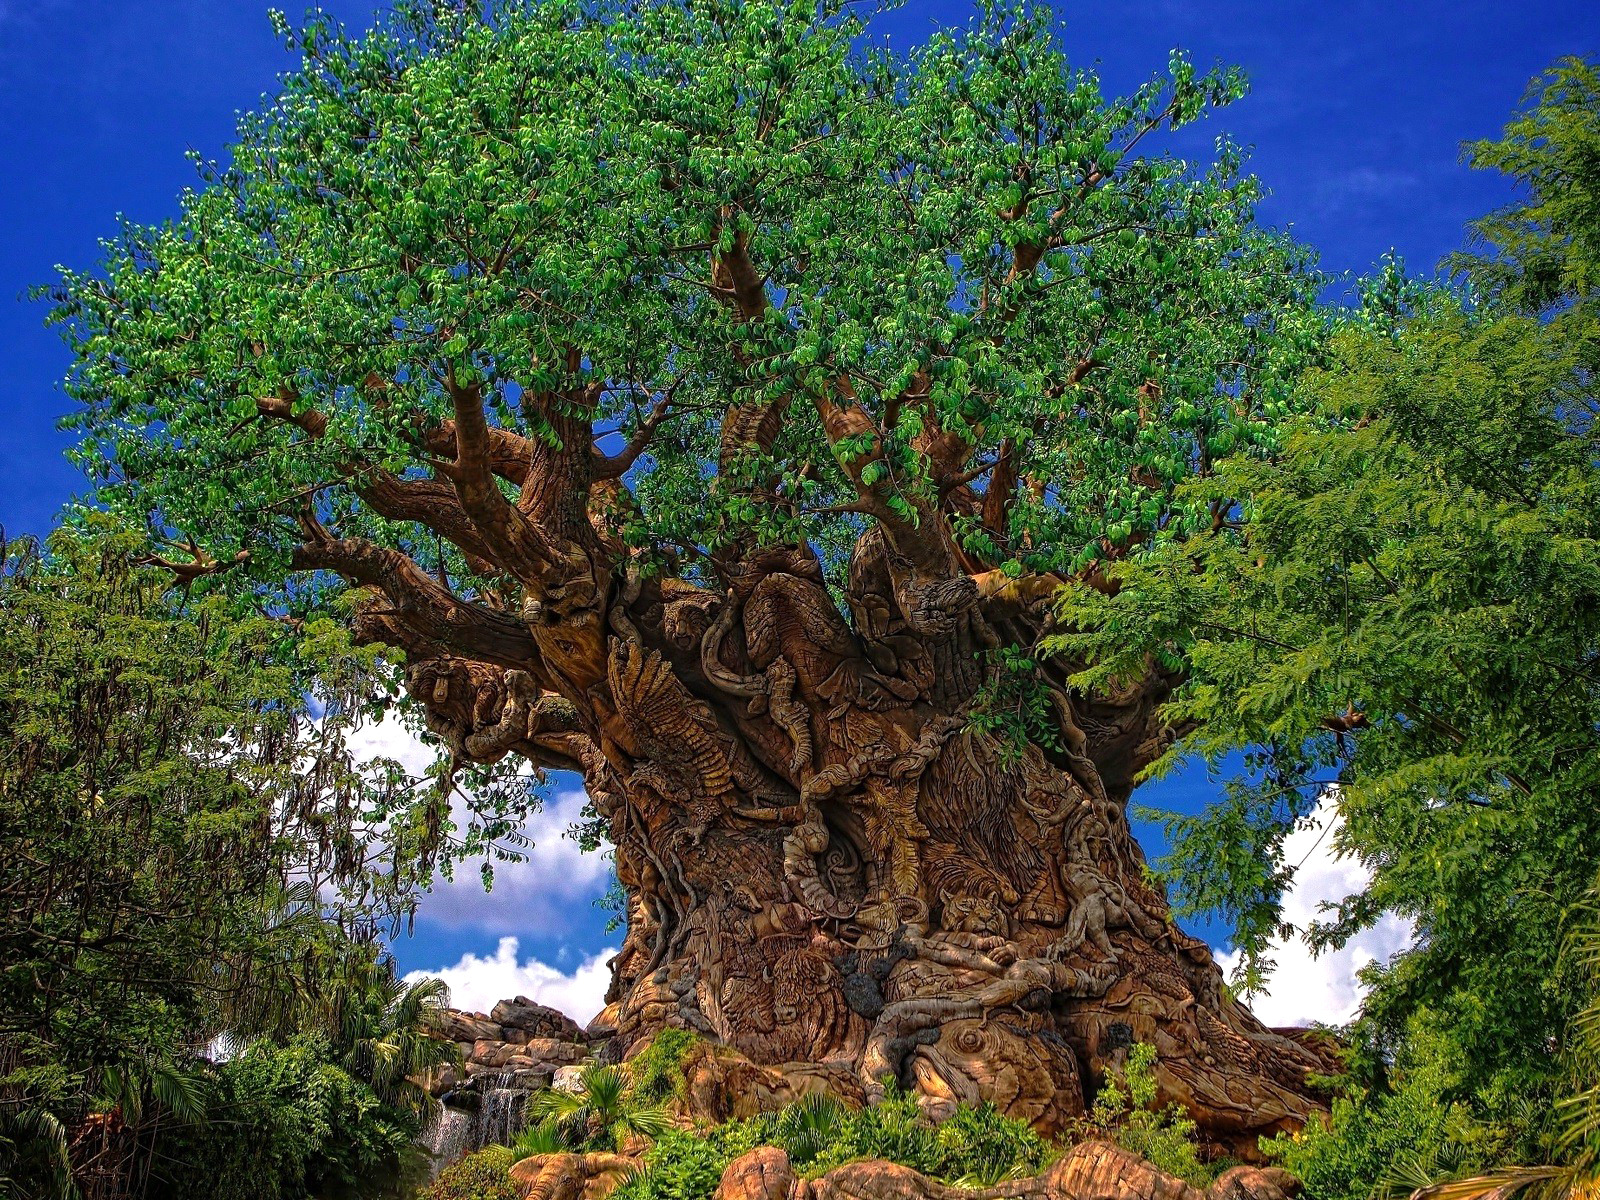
x=485, y=1111
x=448, y=1138
x=500, y=1111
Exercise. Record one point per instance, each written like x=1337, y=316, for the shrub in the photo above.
x=485, y=1175
x=979, y=1147
x=285, y=1123
x=1418, y=1124
x=684, y=1165
x=975, y=1147
x=1165, y=1137
x=893, y=1129
x=657, y=1070
x=808, y=1127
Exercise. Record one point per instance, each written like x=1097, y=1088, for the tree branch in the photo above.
x=617, y=464
x=420, y=601
x=518, y=544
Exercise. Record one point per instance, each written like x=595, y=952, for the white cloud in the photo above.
x=1304, y=989
x=553, y=878
x=391, y=738
x=478, y=983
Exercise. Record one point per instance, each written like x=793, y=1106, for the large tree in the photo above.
x=707, y=403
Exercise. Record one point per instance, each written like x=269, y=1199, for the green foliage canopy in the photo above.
x=189, y=857
x=680, y=222
x=167, y=809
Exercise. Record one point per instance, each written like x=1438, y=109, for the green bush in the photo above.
x=485, y=1175
x=893, y=1129
x=657, y=1070
x=976, y=1146
x=979, y=1147
x=810, y=1126
x=1166, y=1137
x=686, y=1165
x=1416, y=1124
x=284, y=1123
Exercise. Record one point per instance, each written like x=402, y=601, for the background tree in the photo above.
x=186, y=856
x=1423, y=557
x=709, y=405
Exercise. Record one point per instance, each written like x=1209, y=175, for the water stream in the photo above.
x=486, y=1111
x=448, y=1138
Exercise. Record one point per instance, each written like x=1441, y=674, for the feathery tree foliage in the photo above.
x=1407, y=598
x=187, y=855
x=930, y=275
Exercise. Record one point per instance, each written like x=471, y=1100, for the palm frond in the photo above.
x=1408, y=1175
x=648, y=1120
x=810, y=1125
x=547, y=1104
x=182, y=1093
x=543, y=1137
x=1496, y=1184
x=605, y=1087
x=36, y=1135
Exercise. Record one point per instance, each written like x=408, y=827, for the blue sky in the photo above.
x=1356, y=116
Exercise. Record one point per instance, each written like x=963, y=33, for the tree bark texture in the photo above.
x=827, y=862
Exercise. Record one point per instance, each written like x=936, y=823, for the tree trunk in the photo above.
x=828, y=862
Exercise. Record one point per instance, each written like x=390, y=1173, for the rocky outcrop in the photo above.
x=533, y=1020
x=520, y=1044
x=1089, y=1171
x=507, y=1055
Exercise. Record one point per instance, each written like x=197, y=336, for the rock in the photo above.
x=604, y=1024
x=1255, y=1183
x=441, y=1080
x=1103, y=1171
x=571, y=1176
x=549, y=1053
x=762, y=1174
x=567, y=1079
x=1089, y=1171
x=469, y=1027
x=486, y=1053
x=537, y=1019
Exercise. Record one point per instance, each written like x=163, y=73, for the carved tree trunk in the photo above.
x=827, y=863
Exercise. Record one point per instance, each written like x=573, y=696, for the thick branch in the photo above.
x=429, y=502
x=1002, y=487
x=421, y=602
x=519, y=545
x=555, y=495
x=508, y=453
